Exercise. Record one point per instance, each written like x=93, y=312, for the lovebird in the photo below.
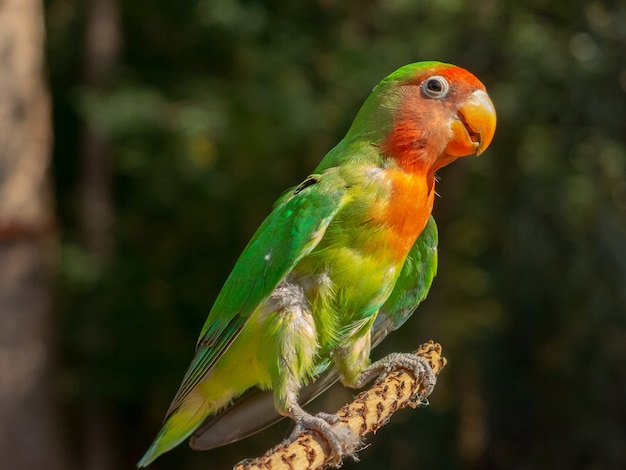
x=343, y=259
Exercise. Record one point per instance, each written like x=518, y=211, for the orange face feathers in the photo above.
x=443, y=112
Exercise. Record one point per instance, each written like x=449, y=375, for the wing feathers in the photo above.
x=295, y=226
x=254, y=411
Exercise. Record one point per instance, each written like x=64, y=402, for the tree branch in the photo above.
x=369, y=411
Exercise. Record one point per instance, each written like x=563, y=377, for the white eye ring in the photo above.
x=435, y=87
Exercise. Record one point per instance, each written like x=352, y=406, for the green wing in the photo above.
x=295, y=226
x=254, y=411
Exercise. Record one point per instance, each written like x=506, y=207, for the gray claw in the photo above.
x=321, y=424
x=412, y=362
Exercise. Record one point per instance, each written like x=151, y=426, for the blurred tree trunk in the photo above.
x=30, y=432
x=102, y=42
x=101, y=51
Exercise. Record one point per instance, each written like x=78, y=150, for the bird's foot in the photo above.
x=340, y=439
x=419, y=366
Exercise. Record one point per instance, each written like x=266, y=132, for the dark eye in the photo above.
x=435, y=87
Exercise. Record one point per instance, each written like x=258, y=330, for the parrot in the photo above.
x=342, y=259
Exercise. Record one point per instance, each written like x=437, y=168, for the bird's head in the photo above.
x=427, y=114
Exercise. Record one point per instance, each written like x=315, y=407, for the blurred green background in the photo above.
x=177, y=125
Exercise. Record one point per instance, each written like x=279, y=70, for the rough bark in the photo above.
x=29, y=425
x=369, y=411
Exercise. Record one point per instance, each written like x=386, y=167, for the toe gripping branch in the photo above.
x=403, y=380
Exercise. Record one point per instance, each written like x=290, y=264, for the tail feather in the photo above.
x=178, y=427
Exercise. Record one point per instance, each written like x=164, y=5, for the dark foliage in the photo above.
x=217, y=106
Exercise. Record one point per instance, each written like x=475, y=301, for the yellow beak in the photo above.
x=474, y=126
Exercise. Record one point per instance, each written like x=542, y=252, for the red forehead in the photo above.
x=452, y=73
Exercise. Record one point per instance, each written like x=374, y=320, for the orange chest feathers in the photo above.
x=403, y=214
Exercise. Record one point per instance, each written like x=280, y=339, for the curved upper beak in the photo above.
x=474, y=126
